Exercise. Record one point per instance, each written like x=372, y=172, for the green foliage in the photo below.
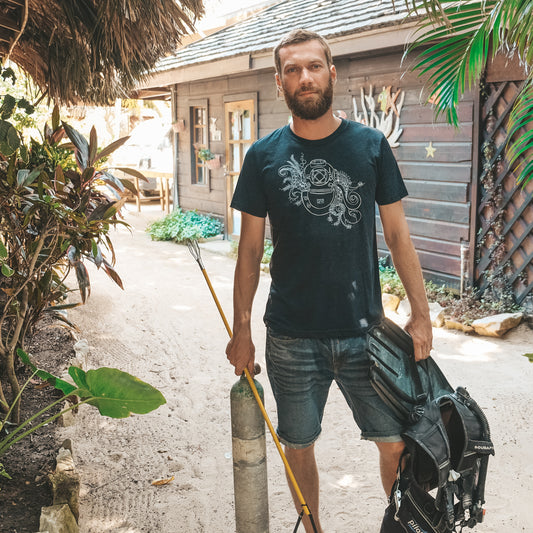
x=389, y=279
x=180, y=226
x=466, y=308
x=456, y=40
x=267, y=254
x=114, y=393
x=54, y=214
x=472, y=306
x=441, y=293
x=205, y=154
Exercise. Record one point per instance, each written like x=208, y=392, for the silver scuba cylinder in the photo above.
x=249, y=459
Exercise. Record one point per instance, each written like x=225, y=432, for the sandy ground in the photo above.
x=165, y=329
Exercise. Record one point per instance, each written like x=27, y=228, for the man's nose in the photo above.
x=305, y=75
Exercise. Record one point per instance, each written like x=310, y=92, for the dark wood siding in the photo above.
x=438, y=206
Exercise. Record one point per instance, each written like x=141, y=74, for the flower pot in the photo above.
x=213, y=163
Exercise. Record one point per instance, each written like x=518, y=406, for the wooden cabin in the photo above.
x=224, y=97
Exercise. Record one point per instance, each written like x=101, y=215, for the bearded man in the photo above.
x=318, y=180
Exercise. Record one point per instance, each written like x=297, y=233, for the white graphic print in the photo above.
x=322, y=190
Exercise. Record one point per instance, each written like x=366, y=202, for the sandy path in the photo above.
x=164, y=328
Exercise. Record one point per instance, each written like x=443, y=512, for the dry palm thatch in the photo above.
x=92, y=50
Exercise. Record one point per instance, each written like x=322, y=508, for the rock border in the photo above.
x=489, y=326
x=62, y=516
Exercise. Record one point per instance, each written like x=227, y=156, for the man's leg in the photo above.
x=389, y=457
x=303, y=466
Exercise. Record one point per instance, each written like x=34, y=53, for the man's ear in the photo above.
x=333, y=71
x=279, y=87
x=278, y=81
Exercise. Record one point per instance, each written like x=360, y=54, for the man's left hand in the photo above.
x=421, y=332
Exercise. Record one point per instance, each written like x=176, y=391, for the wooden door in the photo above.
x=240, y=134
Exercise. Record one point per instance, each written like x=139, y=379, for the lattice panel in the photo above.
x=504, y=244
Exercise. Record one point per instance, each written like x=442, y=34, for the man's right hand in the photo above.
x=241, y=353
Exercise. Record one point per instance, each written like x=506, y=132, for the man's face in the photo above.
x=305, y=79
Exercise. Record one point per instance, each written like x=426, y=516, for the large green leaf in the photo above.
x=81, y=144
x=9, y=138
x=132, y=172
x=115, y=393
x=110, y=148
x=59, y=384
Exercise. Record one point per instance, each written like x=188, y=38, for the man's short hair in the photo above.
x=298, y=36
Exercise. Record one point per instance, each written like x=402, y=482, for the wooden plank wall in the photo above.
x=212, y=198
x=438, y=206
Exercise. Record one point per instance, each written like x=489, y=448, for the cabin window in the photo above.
x=198, y=142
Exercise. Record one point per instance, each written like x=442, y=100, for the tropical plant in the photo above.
x=53, y=214
x=180, y=226
x=114, y=393
x=456, y=40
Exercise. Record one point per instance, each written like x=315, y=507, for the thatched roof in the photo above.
x=92, y=50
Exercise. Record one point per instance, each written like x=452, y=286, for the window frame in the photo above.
x=197, y=164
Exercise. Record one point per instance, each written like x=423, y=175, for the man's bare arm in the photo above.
x=241, y=350
x=405, y=259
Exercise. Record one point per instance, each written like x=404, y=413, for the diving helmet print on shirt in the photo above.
x=322, y=190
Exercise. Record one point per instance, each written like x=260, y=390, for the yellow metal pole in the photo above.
x=290, y=474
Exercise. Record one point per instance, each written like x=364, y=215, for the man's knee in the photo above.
x=391, y=451
x=300, y=456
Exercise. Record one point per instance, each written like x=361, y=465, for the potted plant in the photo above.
x=210, y=159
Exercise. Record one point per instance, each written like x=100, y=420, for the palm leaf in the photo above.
x=520, y=148
x=455, y=41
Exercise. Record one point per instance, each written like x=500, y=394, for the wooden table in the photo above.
x=164, y=180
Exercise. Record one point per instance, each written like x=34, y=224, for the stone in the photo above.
x=82, y=351
x=404, y=308
x=436, y=313
x=67, y=418
x=65, y=482
x=497, y=325
x=82, y=348
x=390, y=301
x=64, y=461
x=58, y=519
x=454, y=324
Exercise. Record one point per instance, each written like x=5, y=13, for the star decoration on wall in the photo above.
x=430, y=150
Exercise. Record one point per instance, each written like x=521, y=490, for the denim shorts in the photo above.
x=301, y=370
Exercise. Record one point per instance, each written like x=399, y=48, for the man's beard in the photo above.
x=310, y=109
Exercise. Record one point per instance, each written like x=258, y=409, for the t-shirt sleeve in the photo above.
x=390, y=186
x=249, y=195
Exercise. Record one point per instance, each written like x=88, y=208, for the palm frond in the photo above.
x=520, y=127
x=456, y=40
x=454, y=52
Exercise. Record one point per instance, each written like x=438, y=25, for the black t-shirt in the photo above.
x=321, y=197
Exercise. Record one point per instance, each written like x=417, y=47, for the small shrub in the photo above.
x=465, y=309
x=473, y=306
x=267, y=254
x=179, y=226
x=389, y=279
x=441, y=293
